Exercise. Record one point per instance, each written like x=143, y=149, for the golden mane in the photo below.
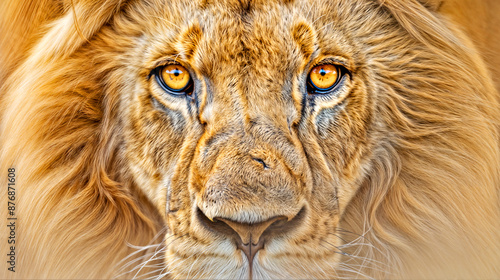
x=78, y=208
x=435, y=174
x=61, y=137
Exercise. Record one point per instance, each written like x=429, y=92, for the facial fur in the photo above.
x=250, y=105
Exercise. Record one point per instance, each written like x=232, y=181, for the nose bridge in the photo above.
x=249, y=159
x=275, y=144
x=247, y=118
x=256, y=139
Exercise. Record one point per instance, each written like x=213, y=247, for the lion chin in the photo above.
x=250, y=139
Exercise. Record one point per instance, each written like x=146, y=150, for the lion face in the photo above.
x=251, y=163
x=260, y=157
x=269, y=139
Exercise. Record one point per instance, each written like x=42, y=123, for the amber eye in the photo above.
x=174, y=79
x=323, y=78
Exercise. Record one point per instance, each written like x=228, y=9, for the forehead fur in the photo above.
x=254, y=35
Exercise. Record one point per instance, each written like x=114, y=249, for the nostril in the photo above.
x=261, y=161
x=215, y=226
x=245, y=233
x=251, y=233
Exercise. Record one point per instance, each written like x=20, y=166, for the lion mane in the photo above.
x=428, y=207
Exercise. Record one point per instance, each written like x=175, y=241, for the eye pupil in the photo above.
x=323, y=78
x=174, y=79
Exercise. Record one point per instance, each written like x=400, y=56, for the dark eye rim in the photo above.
x=313, y=89
x=187, y=90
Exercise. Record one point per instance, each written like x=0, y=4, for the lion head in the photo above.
x=254, y=139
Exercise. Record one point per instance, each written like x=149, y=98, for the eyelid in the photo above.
x=165, y=60
x=334, y=61
x=162, y=63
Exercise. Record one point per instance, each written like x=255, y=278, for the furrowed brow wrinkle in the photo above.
x=305, y=37
x=189, y=41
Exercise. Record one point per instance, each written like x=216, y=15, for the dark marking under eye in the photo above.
x=326, y=120
x=174, y=118
x=159, y=105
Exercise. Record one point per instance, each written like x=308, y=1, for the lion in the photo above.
x=230, y=139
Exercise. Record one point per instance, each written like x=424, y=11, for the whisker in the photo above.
x=146, y=258
x=164, y=248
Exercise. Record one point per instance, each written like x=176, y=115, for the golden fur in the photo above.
x=397, y=176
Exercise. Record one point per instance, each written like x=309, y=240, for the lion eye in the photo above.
x=323, y=78
x=174, y=79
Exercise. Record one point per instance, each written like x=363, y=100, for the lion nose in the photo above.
x=250, y=235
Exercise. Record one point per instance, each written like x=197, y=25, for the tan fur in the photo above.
x=396, y=176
